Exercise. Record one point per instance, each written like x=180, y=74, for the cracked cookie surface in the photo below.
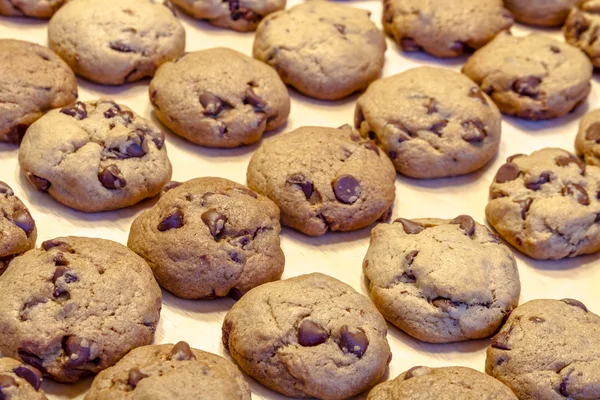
x=66, y=311
x=533, y=77
x=587, y=142
x=447, y=383
x=432, y=122
x=19, y=381
x=324, y=179
x=548, y=350
x=442, y=28
x=219, y=98
x=308, y=336
x=547, y=204
x=541, y=12
x=17, y=228
x=239, y=15
x=324, y=50
x=33, y=81
x=95, y=156
x=581, y=29
x=113, y=42
x=210, y=237
x=30, y=8
x=167, y=371
x=440, y=280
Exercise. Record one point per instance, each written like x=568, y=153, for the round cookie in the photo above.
x=19, y=381
x=308, y=336
x=432, y=122
x=440, y=280
x=116, y=41
x=174, y=372
x=323, y=49
x=587, y=142
x=76, y=306
x=219, y=98
x=442, y=28
x=581, y=28
x=548, y=349
x=324, y=179
x=546, y=204
x=208, y=238
x=30, y=8
x=533, y=77
x=447, y=383
x=33, y=81
x=17, y=229
x=541, y=12
x=95, y=156
x=239, y=15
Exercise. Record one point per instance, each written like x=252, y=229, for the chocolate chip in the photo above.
x=23, y=220
x=252, y=99
x=353, y=342
x=410, y=227
x=346, y=189
x=527, y=86
x=565, y=161
x=172, y=221
x=77, y=110
x=6, y=381
x=30, y=303
x=238, y=12
x=135, y=150
x=311, y=334
x=30, y=374
x=211, y=103
x=135, y=376
x=466, y=223
x=444, y=304
x=409, y=44
x=577, y=192
x=340, y=28
x=121, y=46
x=31, y=359
x=235, y=293
x=111, y=178
x=542, y=179
x=554, y=49
x=476, y=93
x=303, y=183
x=507, y=172
x=50, y=244
x=182, y=352
x=66, y=272
x=474, y=131
x=170, y=185
x=593, y=132
x=77, y=350
x=537, y=320
x=235, y=257
x=438, y=127
x=500, y=341
x=525, y=204
x=5, y=189
x=563, y=387
x=61, y=293
x=38, y=182
x=575, y=303
x=215, y=221
x=410, y=373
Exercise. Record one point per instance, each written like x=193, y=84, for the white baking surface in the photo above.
x=337, y=254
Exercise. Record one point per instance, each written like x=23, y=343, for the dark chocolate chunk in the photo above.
x=52, y=243
x=135, y=376
x=253, y=99
x=121, y=46
x=23, y=220
x=77, y=350
x=215, y=221
x=311, y=334
x=575, y=303
x=182, y=352
x=172, y=221
x=544, y=177
x=32, y=359
x=438, y=127
x=64, y=272
x=303, y=183
x=38, y=182
x=353, y=342
x=30, y=374
x=527, y=86
x=593, y=132
x=410, y=227
x=474, y=132
x=135, y=150
x=507, y=172
x=564, y=161
x=170, y=185
x=211, y=103
x=346, y=189
x=578, y=192
x=466, y=223
x=77, y=110
x=111, y=178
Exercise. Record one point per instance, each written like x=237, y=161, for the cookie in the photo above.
x=546, y=204
x=324, y=179
x=210, y=237
x=308, y=336
x=541, y=12
x=77, y=305
x=432, y=122
x=116, y=41
x=17, y=229
x=166, y=371
x=441, y=280
x=95, y=156
x=533, y=77
x=442, y=28
x=239, y=15
x=587, y=142
x=323, y=49
x=581, y=27
x=20, y=381
x=219, y=98
x=30, y=8
x=447, y=383
x=33, y=80
x=548, y=349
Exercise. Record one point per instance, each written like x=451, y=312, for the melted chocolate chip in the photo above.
x=507, y=172
x=476, y=93
x=410, y=227
x=30, y=374
x=593, y=132
x=346, y=189
x=77, y=350
x=525, y=205
x=253, y=99
x=38, y=182
x=211, y=103
x=60, y=259
x=61, y=293
x=121, y=46
x=135, y=150
x=303, y=183
x=31, y=359
x=23, y=220
x=438, y=127
x=170, y=185
x=64, y=272
x=182, y=352
x=410, y=258
x=527, y=86
x=542, y=179
x=466, y=223
x=474, y=131
x=50, y=244
x=575, y=303
x=353, y=342
x=111, y=178
x=215, y=221
x=578, y=192
x=311, y=334
x=135, y=376
x=77, y=111
x=5, y=189
x=172, y=221
x=565, y=161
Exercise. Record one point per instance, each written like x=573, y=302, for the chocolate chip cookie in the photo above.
x=547, y=204
x=548, y=349
x=448, y=383
x=33, y=80
x=95, y=156
x=541, y=12
x=440, y=280
x=210, y=237
x=116, y=41
x=432, y=122
x=219, y=98
x=174, y=372
x=442, y=28
x=19, y=381
x=30, y=8
x=323, y=49
x=587, y=142
x=17, y=229
x=77, y=305
x=581, y=29
x=308, y=336
x=239, y=15
x=324, y=179
x=532, y=77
